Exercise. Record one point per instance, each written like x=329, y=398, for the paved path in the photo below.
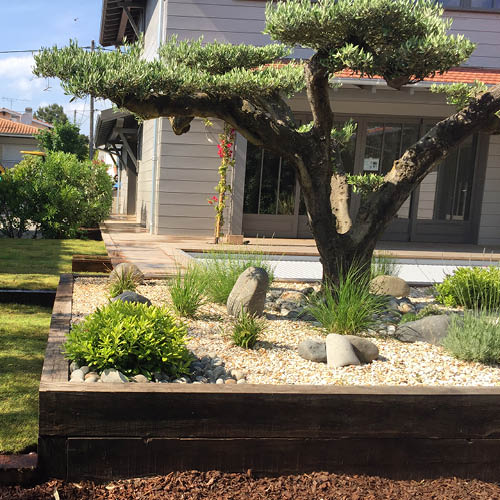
x=159, y=256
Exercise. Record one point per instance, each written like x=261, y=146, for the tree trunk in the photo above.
x=338, y=251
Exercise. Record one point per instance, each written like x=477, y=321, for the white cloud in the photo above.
x=17, y=78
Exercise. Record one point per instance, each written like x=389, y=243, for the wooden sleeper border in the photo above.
x=109, y=431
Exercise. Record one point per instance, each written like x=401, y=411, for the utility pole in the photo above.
x=91, y=129
x=74, y=117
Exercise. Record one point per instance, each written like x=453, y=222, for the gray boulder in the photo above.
x=389, y=285
x=339, y=351
x=124, y=269
x=313, y=350
x=249, y=292
x=365, y=350
x=113, y=376
x=132, y=297
x=432, y=329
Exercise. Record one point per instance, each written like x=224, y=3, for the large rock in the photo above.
x=432, y=329
x=365, y=350
x=339, y=351
x=128, y=296
x=389, y=285
x=249, y=292
x=125, y=269
x=313, y=350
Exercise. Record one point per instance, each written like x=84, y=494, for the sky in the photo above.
x=29, y=25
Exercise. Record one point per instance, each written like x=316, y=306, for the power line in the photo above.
x=38, y=50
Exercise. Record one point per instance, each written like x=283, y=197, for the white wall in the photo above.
x=11, y=147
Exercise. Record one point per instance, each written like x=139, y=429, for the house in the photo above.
x=17, y=133
x=167, y=179
x=26, y=117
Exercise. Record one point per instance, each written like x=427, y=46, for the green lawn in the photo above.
x=37, y=264
x=23, y=336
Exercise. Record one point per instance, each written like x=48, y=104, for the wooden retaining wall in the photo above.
x=102, y=432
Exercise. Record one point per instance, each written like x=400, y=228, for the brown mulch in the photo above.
x=222, y=486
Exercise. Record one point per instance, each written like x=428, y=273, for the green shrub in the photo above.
x=476, y=337
x=17, y=202
x=98, y=190
x=187, y=290
x=123, y=281
x=384, y=264
x=430, y=310
x=132, y=338
x=222, y=269
x=471, y=287
x=247, y=329
x=349, y=307
x=58, y=195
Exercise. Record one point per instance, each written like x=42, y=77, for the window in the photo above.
x=385, y=142
x=269, y=183
x=472, y=4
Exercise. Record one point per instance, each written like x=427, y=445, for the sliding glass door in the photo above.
x=442, y=209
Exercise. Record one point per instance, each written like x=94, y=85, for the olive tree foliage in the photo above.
x=403, y=41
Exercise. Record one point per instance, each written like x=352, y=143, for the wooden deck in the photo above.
x=158, y=255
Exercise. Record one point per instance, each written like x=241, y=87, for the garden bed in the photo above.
x=105, y=431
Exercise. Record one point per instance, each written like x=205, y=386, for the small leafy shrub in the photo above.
x=476, y=337
x=384, y=265
x=187, y=290
x=471, y=287
x=124, y=281
x=349, y=307
x=133, y=338
x=247, y=330
x=222, y=269
x=430, y=310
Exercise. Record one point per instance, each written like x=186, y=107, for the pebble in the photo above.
x=77, y=376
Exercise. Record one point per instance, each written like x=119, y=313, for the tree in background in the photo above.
x=64, y=137
x=53, y=113
x=402, y=41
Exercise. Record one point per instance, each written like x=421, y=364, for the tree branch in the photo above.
x=318, y=94
x=255, y=124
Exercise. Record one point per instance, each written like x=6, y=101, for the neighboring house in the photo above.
x=14, y=138
x=26, y=117
x=169, y=178
x=17, y=133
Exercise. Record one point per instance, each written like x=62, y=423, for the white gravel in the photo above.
x=275, y=360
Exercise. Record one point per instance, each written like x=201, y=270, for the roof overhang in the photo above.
x=111, y=123
x=121, y=19
x=456, y=75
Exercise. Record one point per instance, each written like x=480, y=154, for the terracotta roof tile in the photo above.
x=16, y=128
x=455, y=75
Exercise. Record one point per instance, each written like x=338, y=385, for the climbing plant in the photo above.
x=226, y=153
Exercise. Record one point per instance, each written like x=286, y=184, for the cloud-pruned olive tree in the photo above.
x=403, y=41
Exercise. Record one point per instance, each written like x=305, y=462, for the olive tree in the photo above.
x=402, y=41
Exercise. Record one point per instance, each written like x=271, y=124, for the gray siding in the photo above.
x=489, y=229
x=189, y=173
x=233, y=21
x=482, y=28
